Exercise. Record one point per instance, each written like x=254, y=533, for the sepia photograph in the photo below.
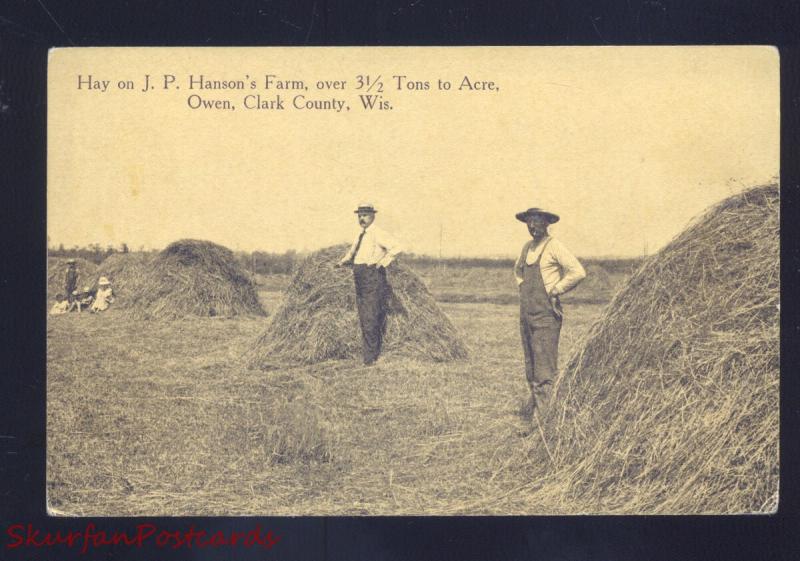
x=413, y=281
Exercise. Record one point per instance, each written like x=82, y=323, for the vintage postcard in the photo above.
x=413, y=281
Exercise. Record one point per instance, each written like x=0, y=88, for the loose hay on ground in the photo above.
x=172, y=425
x=671, y=406
x=318, y=319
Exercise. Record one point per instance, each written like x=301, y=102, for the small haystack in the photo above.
x=671, y=406
x=188, y=278
x=57, y=271
x=596, y=288
x=195, y=278
x=318, y=319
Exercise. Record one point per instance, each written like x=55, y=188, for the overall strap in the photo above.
x=524, y=255
x=538, y=257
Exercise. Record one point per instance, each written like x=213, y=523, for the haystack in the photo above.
x=126, y=272
x=318, y=318
x=57, y=270
x=672, y=403
x=190, y=278
x=597, y=287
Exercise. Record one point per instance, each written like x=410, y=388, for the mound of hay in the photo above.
x=672, y=404
x=57, y=271
x=188, y=278
x=318, y=319
x=597, y=287
x=125, y=271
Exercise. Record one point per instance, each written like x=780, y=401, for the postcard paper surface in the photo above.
x=413, y=281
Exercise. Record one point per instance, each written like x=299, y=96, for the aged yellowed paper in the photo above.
x=437, y=281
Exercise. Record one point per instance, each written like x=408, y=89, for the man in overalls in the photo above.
x=545, y=270
x=372, y=251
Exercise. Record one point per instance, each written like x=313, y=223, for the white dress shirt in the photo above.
x=377, y=248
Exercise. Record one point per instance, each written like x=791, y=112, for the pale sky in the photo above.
x=626, y=144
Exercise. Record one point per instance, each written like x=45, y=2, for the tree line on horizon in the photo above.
x=271, y=263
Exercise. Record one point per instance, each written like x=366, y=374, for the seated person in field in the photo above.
x=61, y=306
x=84, y=298
x=103, y=297
x=73, y=301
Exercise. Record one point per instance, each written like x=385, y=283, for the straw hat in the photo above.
x=365, y=207
x=527, y=214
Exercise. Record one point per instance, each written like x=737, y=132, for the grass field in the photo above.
x=164, y=418
x=494, y=284
x=668, y=405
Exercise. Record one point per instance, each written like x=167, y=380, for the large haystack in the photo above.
x=318, y=319
x=190, y=278
x=57, y=271
x=672, y=404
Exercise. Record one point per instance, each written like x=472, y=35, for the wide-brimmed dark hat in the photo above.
x=365, y=207
x=526, y=214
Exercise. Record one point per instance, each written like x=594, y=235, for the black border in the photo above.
x=29, y=28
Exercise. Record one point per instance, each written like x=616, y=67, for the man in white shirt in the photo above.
x=372, y=251
x=545, y=270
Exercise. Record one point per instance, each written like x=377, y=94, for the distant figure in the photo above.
x=84, y=298
x=61, y=306
x=103, y=297
x=70, y=280
x=372, y=251
x=544, y=271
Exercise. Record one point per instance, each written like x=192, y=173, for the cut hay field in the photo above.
x=165, y=418
x=667, y=402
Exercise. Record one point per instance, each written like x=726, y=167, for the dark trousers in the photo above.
x=371, y=293
x=69, y=289
x=540, y=344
